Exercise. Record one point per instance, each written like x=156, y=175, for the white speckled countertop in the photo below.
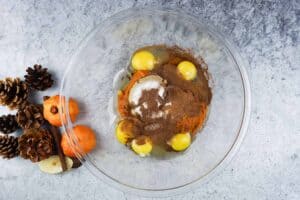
x=267, y=33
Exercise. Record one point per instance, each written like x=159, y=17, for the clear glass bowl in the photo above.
x=94, y=75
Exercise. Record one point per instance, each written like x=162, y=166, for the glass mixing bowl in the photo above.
x=94, y=75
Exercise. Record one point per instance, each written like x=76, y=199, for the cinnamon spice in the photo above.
x=57, y=138
x=192, y=124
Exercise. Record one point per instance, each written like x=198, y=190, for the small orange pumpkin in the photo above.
x=52, y=108
x=86, y=140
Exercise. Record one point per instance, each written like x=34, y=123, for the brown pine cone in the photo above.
x=38, y=78
x=13, y=93
x=36, y=144
x=31, y=116
x=8, y=146
x=8, y=124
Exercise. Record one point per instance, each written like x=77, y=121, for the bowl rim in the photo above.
x=239, y=62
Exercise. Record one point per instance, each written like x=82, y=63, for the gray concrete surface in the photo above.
x=267, y=34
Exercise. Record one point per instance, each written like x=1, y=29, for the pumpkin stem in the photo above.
x=45, y=98
x=54, y=110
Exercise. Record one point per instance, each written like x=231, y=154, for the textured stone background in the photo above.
x=267, y=34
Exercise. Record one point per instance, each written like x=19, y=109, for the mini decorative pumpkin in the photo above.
x=86, y=139
x=52, y=109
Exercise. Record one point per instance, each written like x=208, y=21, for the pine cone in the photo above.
x=38, y=78
x=8, y=146
x=31, y=116
x=13, y=93
x=36, y=144
x=8, y=124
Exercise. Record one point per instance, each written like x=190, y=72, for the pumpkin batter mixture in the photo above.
x=166, y=100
